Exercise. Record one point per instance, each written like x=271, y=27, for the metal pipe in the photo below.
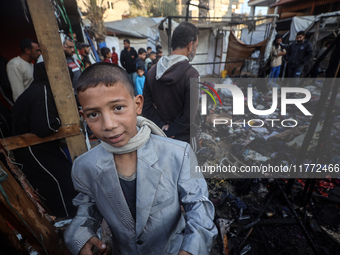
x=169, y=34
x=236, y=18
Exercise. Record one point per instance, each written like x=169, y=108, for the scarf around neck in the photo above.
x=146, y=128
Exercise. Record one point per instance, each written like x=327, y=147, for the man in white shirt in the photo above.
x=20, y=68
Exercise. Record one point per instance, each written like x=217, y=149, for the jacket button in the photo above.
x=139, y=242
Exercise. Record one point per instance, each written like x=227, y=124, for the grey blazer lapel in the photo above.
x=109, y=183
x=147, y=182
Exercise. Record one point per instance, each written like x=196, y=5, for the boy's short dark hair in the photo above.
x=104, y=51
x=152, y=52
x=141, y=51
x=148, y=48
x=158, y=47
x=26, y=44
x=140, y=68
x=113, y=47
x=104, y=73
x=301, y=33
x=127, y=40
x=183, y=34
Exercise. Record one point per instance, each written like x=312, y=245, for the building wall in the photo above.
x=218, y=8
x=115, y=9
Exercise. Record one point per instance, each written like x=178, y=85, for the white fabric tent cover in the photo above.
x=256, y=36
x=259, y=35
x=329, y=22
x=139, y=27
x=300, y=24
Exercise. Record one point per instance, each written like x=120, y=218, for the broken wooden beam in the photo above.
x=25, y=140
x=18, y=209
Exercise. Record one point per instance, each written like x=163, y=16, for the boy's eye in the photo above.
x=119, y=108
x=92, y=115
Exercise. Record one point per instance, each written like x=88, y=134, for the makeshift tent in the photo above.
x=217, y=51
x=329, y=22
x=141, y=31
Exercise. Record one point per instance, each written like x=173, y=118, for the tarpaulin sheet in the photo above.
x=238, y=50
x=299, y=24
x=257, y=35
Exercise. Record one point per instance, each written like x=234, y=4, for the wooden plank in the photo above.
x=23, y=215
x=25, y=140
x=46, y=29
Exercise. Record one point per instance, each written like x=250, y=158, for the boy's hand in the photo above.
x=102, y=248
x=184, y=253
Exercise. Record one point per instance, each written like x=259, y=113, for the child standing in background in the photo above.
x=106, y=53
x=114, y=57
x=277, y=53
x=140, y=80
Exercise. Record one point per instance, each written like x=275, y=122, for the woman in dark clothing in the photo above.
x=46, y=166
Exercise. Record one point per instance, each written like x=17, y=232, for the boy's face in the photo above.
x=140, y=73
x=142, y=56
x=111, y=113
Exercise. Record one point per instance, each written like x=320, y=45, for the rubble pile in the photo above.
x=253, y=215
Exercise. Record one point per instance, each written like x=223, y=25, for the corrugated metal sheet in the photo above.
x=298, y=3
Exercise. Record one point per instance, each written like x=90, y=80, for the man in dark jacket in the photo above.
x=128, y=57
x=46, y=166
x=298, y=54
x=167, y=86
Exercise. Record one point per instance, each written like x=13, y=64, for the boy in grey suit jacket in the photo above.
x=136, y=179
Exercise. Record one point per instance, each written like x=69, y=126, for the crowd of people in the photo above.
x=126, y=180
x=296, y=56
x=137, y=64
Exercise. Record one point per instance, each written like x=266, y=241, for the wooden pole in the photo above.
x=46, y=29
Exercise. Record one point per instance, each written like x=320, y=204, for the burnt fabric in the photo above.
x=239, y=51
x=46, y=166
